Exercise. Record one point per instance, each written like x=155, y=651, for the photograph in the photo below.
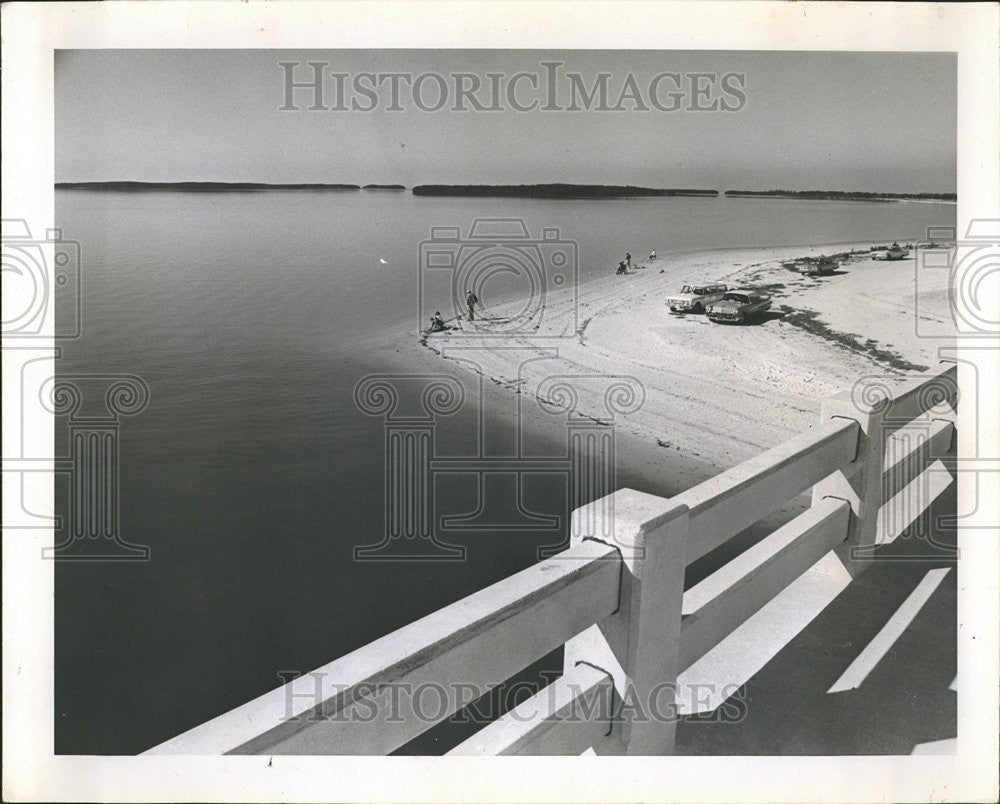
x=422, y=395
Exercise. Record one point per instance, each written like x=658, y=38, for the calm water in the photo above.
x=251, y=475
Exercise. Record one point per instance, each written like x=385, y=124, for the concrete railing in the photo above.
x=620, y=608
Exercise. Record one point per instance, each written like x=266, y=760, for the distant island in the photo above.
x=558, y=190
x=552, y=191
x=841, y=195
x=196, y=186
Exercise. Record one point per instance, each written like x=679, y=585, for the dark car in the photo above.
x=738, y=306
x=820, y=267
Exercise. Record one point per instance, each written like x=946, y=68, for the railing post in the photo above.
x=638, y=645
x=859, y=482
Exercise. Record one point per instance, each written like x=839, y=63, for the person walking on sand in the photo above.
x=471, y=299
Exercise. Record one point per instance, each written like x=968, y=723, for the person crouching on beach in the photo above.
x=471, y=299
x=437, y=323
x=621, y=268
x=652, y=256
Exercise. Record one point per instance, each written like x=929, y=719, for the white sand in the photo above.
x=717, y=392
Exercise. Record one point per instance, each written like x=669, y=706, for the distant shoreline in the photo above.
x=840, y=195
x=554, y=191
x=569, y=191
x=196, y=186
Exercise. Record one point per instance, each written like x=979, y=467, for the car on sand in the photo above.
x=696, y=298
x=894, y=252
x=738, y=306
x=819, y=267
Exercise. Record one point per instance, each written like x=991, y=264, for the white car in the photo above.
x=894, y=252
x=696, y=298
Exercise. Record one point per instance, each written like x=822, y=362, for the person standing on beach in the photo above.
x=652, y=255
x=628, y=260
x=471, y=299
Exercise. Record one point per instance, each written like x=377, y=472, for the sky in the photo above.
x=876, y=122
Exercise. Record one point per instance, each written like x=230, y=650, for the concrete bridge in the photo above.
x=784, y=648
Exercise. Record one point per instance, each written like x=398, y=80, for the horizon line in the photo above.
x=126, y=183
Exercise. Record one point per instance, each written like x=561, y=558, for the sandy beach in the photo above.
x=713, y=394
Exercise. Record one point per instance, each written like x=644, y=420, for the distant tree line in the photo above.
x=844, y=195
x=553, y=190
x=195, y=186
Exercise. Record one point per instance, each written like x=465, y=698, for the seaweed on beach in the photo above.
x=808, y=320
x=841, y=257
x=774, y=289
x=856, y=255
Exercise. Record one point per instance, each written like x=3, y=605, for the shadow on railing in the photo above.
x=619, y=607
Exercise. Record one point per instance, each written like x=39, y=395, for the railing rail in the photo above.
x=619, y=607
x=731, y=595
x=728, y=503
x=365, y=702
x=565, y=718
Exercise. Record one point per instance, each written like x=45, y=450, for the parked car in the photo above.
x=696, y=298
x=821, y=267
x=894, y=252
x=738, y=306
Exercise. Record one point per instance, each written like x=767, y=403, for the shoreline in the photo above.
x=550, y=190
x=714, y=394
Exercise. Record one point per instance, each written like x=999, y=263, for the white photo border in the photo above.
x=33, y=31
